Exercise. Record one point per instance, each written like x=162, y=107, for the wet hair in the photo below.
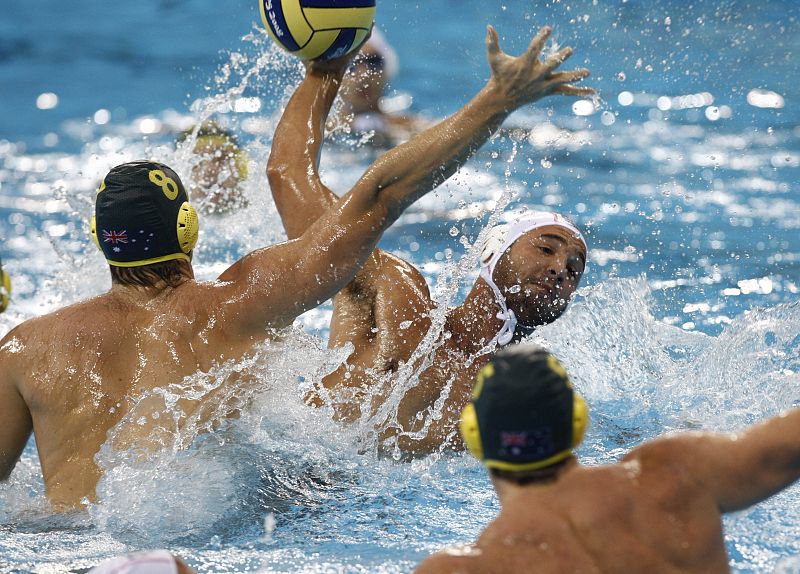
x=173, y=273
x=523, y=477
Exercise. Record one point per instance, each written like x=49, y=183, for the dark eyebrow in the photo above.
x=563, y=242
x=551, y=236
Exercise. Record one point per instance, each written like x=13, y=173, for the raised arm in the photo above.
x=753, y=465
x=17, y=425
x=272, y=286
x=293, y=166
x=739, y=470
x=424, y=162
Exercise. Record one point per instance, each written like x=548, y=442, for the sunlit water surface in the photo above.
x=684, y=176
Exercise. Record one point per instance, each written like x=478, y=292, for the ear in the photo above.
x=493, y=243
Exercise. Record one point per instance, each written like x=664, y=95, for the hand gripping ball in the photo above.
x=318, y=29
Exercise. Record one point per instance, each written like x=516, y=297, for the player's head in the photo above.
x=534, y=265
x=219, y=168
x=144, y=224
x=369, y=73
x=524, y=418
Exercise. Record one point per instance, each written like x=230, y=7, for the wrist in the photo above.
x=495, y=98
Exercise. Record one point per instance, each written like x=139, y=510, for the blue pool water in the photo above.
x=685, y=176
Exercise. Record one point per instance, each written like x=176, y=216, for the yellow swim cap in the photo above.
x=5, y=288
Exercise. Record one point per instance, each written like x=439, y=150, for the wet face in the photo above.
x=539, y=274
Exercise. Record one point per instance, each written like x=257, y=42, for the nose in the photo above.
x=557, y=269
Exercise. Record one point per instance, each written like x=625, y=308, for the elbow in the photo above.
x=279, y=179
x=276, y=171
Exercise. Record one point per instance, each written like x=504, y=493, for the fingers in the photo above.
x=492, y=41
x=567, y=90
x=557, y=59
x=571, y=76
x=538, y=42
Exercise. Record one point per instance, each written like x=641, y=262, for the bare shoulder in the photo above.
x=455, y=560
x=17, y=339
x=662, y=452
x=666, y=450
x=12, y=345
x=401, y=273
x=389, y=275
x=672, y=461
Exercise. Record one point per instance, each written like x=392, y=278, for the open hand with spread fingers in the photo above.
x=527, y=78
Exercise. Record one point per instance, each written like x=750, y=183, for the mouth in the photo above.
x=540, y=291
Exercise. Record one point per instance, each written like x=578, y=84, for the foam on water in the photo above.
x=688, y=321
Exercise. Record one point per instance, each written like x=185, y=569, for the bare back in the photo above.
x=640, y=516
x=79, y=370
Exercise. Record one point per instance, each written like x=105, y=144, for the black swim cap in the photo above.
x=143, y=216
x=524, y=414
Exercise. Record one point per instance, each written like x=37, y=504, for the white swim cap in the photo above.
x=498, y=241
x=155, y=562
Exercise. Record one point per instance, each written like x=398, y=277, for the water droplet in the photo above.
x=454, y=231
x=621, y=76
x=405, y=325
x=514, y=289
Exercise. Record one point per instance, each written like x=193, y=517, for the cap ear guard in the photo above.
x=5, y=290
x=494, y=242
x=93, y=232
x=188, y=226
x=241, y=161
x=580, y=411
x=470, y=431
x=580, y=419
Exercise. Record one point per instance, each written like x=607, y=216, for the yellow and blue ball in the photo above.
x=318, y=29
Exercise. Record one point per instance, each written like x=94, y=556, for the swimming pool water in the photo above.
x=685, y=177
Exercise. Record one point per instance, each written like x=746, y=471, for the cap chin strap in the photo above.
x=500, y=240
x=506, y=332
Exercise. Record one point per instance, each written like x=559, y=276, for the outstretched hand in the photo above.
x=526, y=78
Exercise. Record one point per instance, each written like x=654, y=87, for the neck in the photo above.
x=507, y=488
x=146, y=291
x=474, y=323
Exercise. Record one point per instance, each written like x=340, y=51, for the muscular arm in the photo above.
x=426, y=160
x=739, y=470
x=270, y=287
x=293, y=167
x=17, y=425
